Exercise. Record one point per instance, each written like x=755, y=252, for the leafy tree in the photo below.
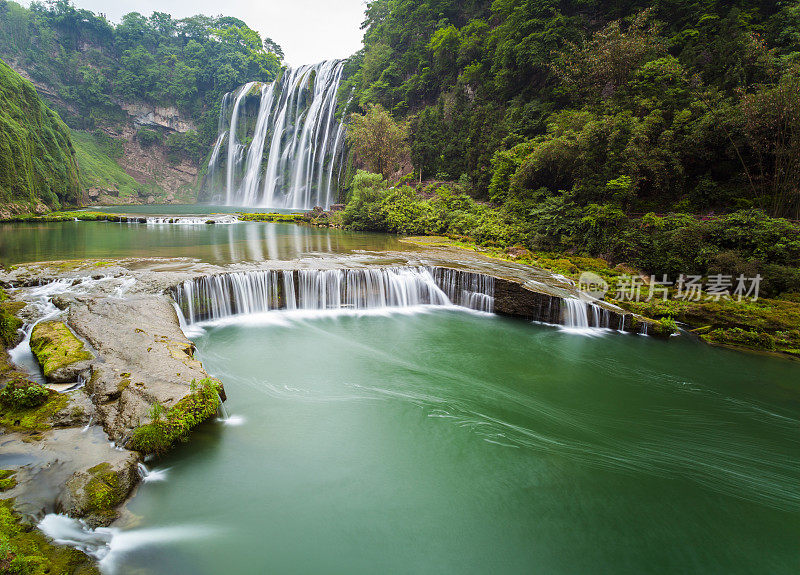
x=378, y=142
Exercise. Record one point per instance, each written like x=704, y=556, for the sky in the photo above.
x=308, y=30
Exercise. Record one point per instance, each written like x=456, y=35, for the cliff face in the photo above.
x=37, y=159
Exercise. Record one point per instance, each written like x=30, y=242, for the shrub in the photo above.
x=23, y=394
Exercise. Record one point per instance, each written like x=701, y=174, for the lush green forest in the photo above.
x=93, y=65
x=37, y=159
x=663, y=135
x=690, y=106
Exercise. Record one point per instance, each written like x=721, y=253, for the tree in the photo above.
x=772, y=128
x=272, y=47
x=379, y=142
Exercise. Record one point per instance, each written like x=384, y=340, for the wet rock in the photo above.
x=61, y=355
x=95, y=493
x=147, y=358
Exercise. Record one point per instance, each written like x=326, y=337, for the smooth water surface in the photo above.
x=451, y=442
x=185, y=209
x=218, y=244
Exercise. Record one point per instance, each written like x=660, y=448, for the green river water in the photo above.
x=450, y=442
x=217, y=244
x=446, y=441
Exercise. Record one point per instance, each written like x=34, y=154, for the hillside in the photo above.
x=664, y=105
x=37, y=160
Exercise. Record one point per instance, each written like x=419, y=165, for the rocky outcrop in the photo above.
x=165, y=117
x=146, y=359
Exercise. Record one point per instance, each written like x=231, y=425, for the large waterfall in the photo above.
x=280, y=144
x=224, y=295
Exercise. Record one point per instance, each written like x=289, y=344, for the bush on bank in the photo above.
x=744, y=242
x=170, y=425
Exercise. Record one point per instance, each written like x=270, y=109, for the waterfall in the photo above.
x=466, y=289
x=191, y=220
x=219, y=296
x=580, y=315
x=576, y=313
x=287, y=157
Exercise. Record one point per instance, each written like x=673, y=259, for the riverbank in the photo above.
x=768, y=324
x=118, y=382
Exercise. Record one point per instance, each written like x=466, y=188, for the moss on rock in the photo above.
x=35, y=419
x=167, y=427
x=7, y=479
x=55, y=346
x=25, y=550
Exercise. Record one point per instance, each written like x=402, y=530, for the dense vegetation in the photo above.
x=632, y=106
x=93, y=65
x=37, y=160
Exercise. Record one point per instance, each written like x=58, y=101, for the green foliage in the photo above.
x=26, y=551
x=29, y=418
x=168, y=426
x=379, y=143
x=695, y=103
x=99, y=170
x=37, y=160
x=148, y=137
x=746, y=242
x=22, y=394
x=91, y=64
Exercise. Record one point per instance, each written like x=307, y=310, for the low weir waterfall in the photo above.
x=280, y=144
x=225, y=295
x=239, y=293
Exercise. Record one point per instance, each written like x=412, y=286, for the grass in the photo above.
x=99, y=170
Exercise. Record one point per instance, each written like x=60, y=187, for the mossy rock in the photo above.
x=55, y=348
x=174, y=424
x=35, y=419
x=7, y=479
x=10, y=324
x=25, y=550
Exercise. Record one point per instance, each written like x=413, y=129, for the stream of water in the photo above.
x=453, y=442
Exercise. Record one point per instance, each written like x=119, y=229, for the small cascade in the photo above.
x=220, y=296
x=191, y=220
x=151, y=475
x=109, y=544
x=575, y=313
x=466, y=289
x=581, y=315
x=280, y=144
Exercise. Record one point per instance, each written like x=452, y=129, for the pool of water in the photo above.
x=185, y=210
x=452, y=442
x=218, y=244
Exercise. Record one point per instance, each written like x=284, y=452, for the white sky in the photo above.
x=308, y=30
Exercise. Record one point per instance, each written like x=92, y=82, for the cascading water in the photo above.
x=288, y=156
x=216, y=297
x=466, y=289
x=581, y=315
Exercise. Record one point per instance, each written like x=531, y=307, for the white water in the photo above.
x=40, y=308
x=221, y=296
x=192, y=221
x=588, y=318
x=152, y=475
x=109, y=544
x=295, y=143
